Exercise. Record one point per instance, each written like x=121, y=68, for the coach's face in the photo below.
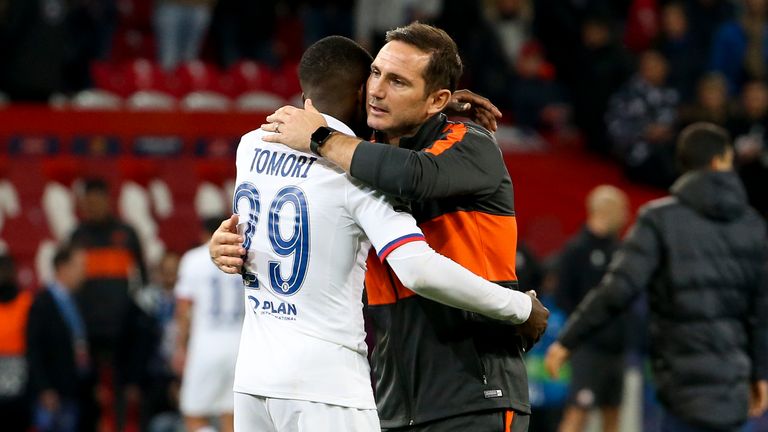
x=397, y=101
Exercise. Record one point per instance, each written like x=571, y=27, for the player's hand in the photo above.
x=294, y=126
x=532, y=329
x=226, y=247
x=758, y=398
x=480, y=110
x=556, y=356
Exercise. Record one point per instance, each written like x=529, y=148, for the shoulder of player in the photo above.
x=464, y=136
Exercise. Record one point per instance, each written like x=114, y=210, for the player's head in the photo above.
x=607, y=210
x=95, y=200
x=412, y=79
x=332, y=73
x=704, y=146
x=69, y=266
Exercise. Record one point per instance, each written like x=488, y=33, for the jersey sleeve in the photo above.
x=185, y=284
x=386, y=228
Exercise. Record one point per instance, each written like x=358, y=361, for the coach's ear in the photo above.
x=438, y=100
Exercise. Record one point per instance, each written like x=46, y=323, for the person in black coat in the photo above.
x=597, y=367
x=59, y=366
x=701, y=255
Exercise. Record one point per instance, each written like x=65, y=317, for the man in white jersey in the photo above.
x=209, y=316
x=307, y=228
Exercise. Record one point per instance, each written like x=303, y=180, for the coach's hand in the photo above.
x=480, y=110
x=226, y=247
x=557, y=354
x=294, y=126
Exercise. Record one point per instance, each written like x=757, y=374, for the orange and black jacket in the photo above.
x=432, y=361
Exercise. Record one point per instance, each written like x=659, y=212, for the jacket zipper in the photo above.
x=399, y=368
x=480, y=365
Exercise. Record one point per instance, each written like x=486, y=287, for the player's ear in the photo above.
x=438, y=100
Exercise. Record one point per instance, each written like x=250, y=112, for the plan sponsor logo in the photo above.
x=277, y=309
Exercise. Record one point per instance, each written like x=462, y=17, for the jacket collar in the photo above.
x=424, y=136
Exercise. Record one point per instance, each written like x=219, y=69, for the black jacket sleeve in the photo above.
x=758, y=328
x=628, y=275
x=37, y=346
x=471, y=166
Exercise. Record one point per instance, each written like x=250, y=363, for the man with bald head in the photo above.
x=598, y=365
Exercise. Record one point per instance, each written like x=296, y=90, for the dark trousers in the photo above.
x=671, y=423
x=493, y=421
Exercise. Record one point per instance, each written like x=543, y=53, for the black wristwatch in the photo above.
x=319, y=137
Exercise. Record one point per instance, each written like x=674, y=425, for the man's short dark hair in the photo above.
x=444, y=68
x=64, y=255
x=699, y=143
x=333, y=63
x=95, y=185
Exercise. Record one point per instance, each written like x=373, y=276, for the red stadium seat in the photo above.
x=286, y=81
x=249, y=76
x=197, y=76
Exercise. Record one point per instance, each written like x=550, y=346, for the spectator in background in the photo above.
x=325, y=18
x=740, y=46
x=602, y=66
x=36, y=49
x=60, y=368
x=512, y=20
x=642, y=25
x=711, y=103
x=486, y=68
x=701, y=255
x=209, y=317
x=237, y=37
x=373, y=18
x=705, y=17
x=641, y=119
x=536, y=100
x=93, y=23
x=597, y=367
x=114, y=263
x=180, y=27
x=682, y=49
x=14, y=308
x=161, y=389
x=749, y=129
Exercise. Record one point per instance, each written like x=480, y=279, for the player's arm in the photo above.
x=185, y=297
x=183, y=318
x=398, y=240
x=433, y=276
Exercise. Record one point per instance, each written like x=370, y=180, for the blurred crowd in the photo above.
x=626, y=75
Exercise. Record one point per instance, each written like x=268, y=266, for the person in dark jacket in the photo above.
x=57, y=351
x=597, y=367
x=701, y=255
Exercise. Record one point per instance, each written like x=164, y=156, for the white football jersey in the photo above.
x=217, y=305
x=308, y=228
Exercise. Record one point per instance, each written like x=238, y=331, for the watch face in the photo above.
x=321, y=134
